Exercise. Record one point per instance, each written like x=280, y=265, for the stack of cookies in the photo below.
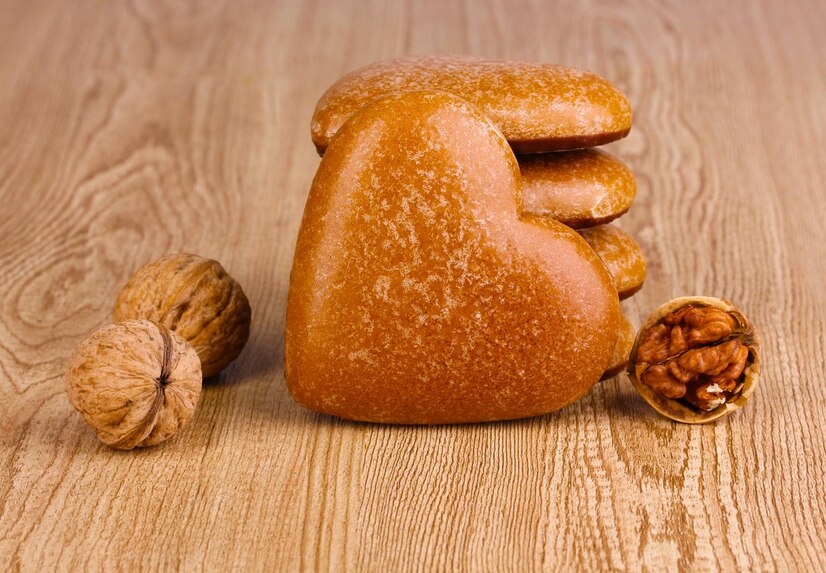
x=553, y=117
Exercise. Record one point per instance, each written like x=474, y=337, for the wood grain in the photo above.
x=129, y=129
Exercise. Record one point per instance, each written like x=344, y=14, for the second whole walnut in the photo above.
x=197, y=299
x=135, y=383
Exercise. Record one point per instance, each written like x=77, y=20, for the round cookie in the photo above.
x=537, y=107
x=625, y=342
x=581, y=188
x=621, y=254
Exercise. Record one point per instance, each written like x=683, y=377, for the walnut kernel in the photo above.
x=696, y=359
x=135, y=383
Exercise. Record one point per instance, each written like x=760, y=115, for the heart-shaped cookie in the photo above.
x=421, y=294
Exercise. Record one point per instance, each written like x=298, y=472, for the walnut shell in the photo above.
x=739, y=328
x=194, y=297
x=135, y=383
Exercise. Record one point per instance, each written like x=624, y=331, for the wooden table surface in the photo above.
x=133, y=129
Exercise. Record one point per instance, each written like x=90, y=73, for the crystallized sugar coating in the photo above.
x=538, y=107
x=419, y=294
x=580, y=188
x=622, y=256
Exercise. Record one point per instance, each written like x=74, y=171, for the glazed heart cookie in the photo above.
x=421, y=294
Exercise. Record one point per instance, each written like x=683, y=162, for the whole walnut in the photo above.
x=194, y=297
x=135, y=383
